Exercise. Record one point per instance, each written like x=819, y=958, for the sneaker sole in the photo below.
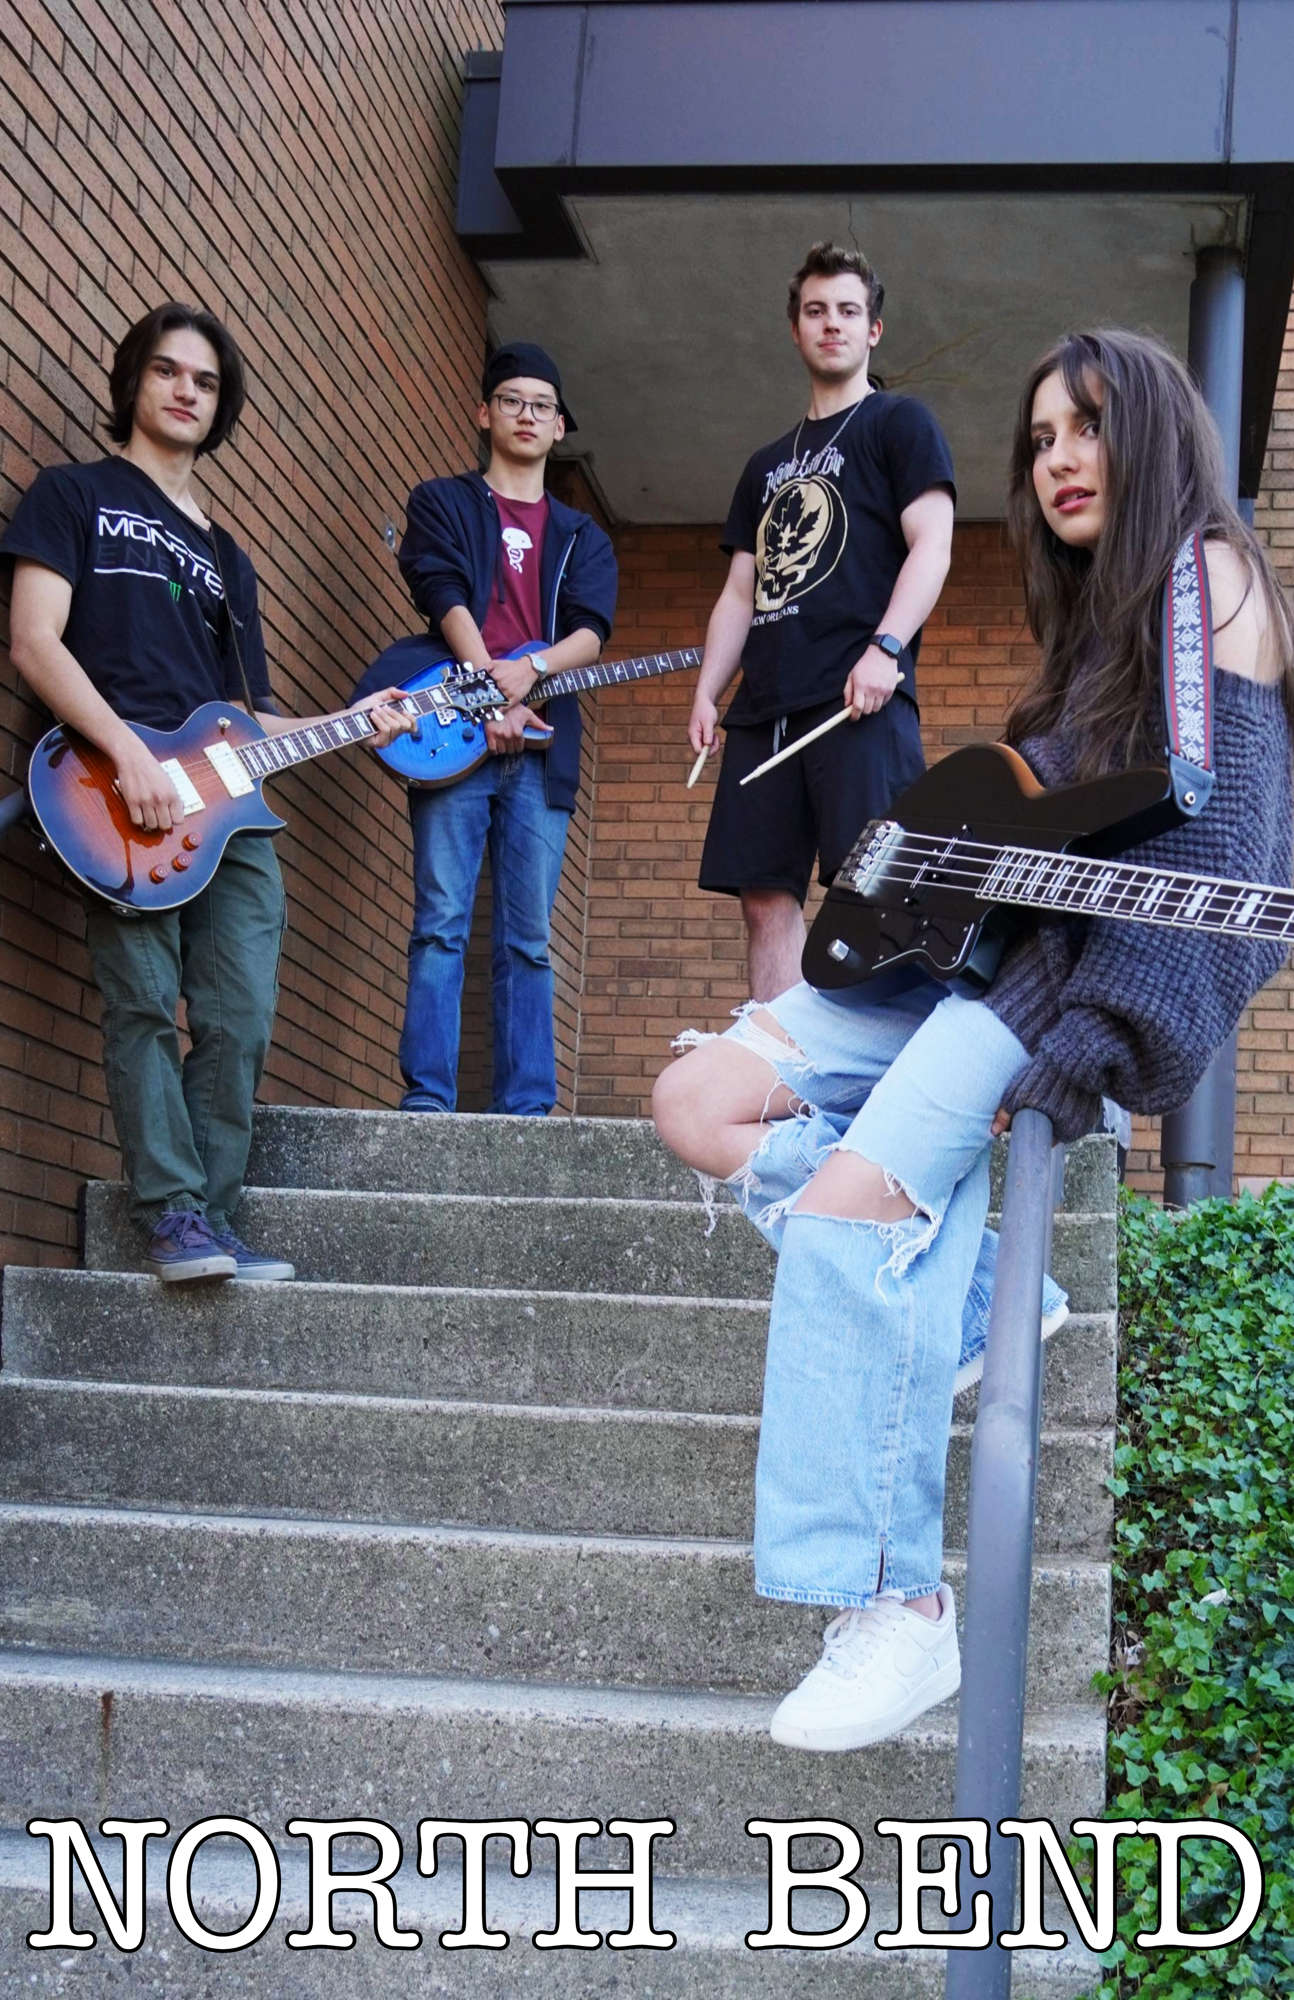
x=272, y=1274
x=832, y=1737
x=971, y=1371
x=195, y=1267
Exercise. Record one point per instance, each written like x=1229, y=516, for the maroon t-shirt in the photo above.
x=519, y=615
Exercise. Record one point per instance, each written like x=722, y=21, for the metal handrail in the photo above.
x=999, y=1544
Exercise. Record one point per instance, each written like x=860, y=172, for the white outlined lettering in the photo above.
x=1169, y=1835
x=636, y=1879
x=782, y=1879
x=1097, y=1924
x=68, y=1841
x=178, y=1885
x=326, y=1882
x=474, y=1833
x=913, y=1878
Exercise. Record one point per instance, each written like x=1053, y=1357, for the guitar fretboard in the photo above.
x=297, y=746
x=889, y=857
x=619, y=673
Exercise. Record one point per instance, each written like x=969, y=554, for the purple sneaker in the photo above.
x=182, y=1247
x=248, y=1264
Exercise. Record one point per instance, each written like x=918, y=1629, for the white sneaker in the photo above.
x=879, y=1669
x=972, y=1368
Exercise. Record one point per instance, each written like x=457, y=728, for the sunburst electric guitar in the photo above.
x=219, y=759
x=217, y=762
x=939, y=885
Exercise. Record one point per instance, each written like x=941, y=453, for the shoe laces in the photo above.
x=856, y=1636
x=234, y=1245
x=185, y=1228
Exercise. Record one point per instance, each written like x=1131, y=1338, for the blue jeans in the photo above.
x=796, y=1147
x=500, y=806
x=866, y=1319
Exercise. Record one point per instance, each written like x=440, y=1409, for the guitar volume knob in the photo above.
x=157, y=873
x=838, y=950
x=190, y=841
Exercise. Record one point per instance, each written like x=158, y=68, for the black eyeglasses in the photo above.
x=512, y=406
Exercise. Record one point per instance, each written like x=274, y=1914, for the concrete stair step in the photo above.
x=710, y=1920
x=143, y=1739
x=397, y=1459
x=518, y=1242
x=454, y=1601
x=395, y=1152
x=588, y=1349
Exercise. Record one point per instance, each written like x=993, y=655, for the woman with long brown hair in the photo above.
x=1115, y=465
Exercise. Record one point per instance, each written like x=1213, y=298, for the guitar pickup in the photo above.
x=191, y=798
x=228, y=767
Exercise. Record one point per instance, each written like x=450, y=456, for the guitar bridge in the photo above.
x=190, y=797
x=866, y=866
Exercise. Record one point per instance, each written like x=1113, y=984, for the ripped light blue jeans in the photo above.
x=866, y=1321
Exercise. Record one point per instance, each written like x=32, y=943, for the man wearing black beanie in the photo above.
x=493, y=562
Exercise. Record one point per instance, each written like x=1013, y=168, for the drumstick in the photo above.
x=832, y=722
x=701, y=758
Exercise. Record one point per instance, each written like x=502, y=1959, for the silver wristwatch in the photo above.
x=539, y=663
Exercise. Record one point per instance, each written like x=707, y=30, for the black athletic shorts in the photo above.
x=764, y=835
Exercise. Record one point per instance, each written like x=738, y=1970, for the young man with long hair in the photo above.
x=1115, y=465
x=125, y=611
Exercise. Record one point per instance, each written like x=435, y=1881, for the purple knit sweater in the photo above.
x=1127, y=1011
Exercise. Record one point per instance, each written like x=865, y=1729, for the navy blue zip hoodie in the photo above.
x=452, y=554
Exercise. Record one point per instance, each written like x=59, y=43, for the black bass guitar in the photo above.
x=939, y=885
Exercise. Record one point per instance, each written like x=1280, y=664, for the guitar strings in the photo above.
x=1130, y=880
x=644, y=667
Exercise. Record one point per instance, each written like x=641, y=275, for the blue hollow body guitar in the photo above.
x=449, y=738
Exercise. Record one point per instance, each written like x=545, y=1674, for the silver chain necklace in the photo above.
x=849, y=413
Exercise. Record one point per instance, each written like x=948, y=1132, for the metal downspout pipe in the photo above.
x=1197, y=1142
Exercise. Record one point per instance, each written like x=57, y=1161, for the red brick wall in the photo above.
x=238, y=157
x=661, y=954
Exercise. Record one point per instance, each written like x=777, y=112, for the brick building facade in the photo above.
x=295, y=173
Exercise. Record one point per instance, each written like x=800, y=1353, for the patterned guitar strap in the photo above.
x=1186, y=660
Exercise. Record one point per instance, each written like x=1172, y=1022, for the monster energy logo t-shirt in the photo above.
x=823, y=524
x=147, y=621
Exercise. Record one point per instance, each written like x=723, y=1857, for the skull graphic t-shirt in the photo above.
x=516, y=616
x=820, y=512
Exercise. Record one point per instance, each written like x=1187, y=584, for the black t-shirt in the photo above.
x=823, y=526
x=147, y=620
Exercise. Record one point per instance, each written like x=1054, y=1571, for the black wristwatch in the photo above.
x=888, y=644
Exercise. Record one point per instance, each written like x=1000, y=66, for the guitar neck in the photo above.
x=1069, y=884
x=268, y=755
x=271, y=754
x=618, y=673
